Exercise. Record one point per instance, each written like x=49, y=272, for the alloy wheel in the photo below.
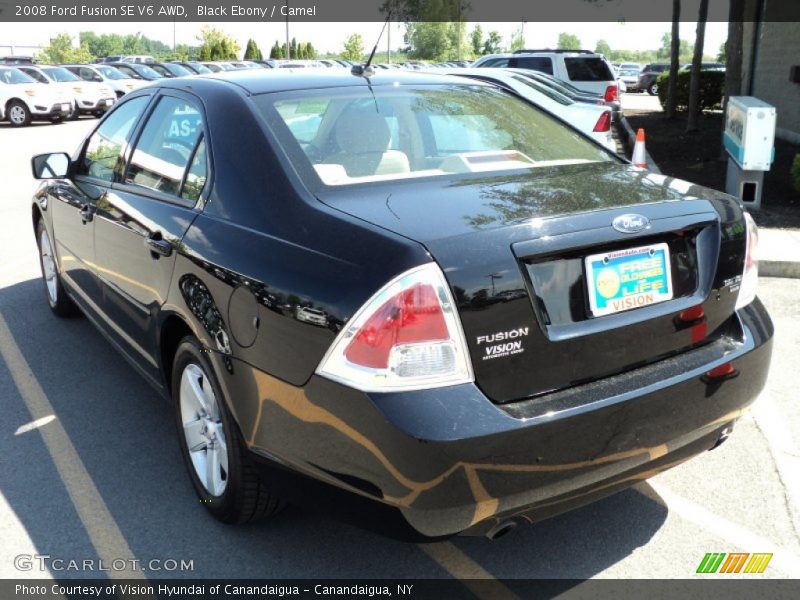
x=16, y=115
x=49, y=267
x=203, y=430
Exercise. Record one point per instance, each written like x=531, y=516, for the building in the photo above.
x=771, y=60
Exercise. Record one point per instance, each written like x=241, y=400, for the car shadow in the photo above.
x=123, y=434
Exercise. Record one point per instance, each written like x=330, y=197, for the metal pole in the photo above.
x=288, y=49
x=389, y=43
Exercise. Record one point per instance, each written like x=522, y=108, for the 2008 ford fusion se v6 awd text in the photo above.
x=418, y=301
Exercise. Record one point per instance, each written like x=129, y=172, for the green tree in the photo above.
x=311, y=51
x=476, y=40
x=517, y=40
x=603, y=48
x=353, y=48
x=61, y=50
x=722, y=54
x=493, y=43
x=216, y=44
x=568, y=41
x=252, y=50
x=293, y=48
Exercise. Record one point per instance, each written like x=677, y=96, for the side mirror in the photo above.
x=97, y=78
x=50, y=166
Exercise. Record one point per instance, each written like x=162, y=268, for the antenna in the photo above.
x=366, y=69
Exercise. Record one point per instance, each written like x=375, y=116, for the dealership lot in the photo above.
x=91, y=469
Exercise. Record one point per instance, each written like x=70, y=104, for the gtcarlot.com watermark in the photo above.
x=48, y=563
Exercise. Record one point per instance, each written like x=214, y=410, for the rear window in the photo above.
x=357, y=134
x=536, y=63
x=588, y=68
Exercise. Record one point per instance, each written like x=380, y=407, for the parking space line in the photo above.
x=102, y=529
x=473, y=576
x=783, y=559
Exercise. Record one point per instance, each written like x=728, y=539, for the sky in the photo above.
x=329, y=37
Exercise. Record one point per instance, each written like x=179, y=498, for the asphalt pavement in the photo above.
x=90, y=469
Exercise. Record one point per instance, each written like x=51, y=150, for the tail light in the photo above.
x=604, y=122
x=407, y=336
x=749, y=285
x=612, y=93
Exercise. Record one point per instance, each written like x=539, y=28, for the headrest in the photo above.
x=361, y=130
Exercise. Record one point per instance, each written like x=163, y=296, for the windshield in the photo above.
x=15, y=76
x=356, y=135
x=177, y=70
x=199, y=68
x=111, y=73
x=60, y=74
x=145, y=71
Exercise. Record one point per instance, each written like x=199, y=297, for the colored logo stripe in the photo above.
x=721, y=562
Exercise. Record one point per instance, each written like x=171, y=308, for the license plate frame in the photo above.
x=627, y=279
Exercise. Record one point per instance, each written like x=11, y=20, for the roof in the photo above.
x=263, y=81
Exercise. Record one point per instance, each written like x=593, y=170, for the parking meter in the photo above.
x=749, y=140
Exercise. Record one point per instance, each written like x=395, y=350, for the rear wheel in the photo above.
x=19, y=115
x=212, y=447
x=652, y=89
x=58, y=300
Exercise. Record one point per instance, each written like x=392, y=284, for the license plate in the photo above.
x=109, y=102
x=627, y=279
x=65, y=107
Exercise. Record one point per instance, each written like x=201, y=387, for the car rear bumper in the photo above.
x=429, y=464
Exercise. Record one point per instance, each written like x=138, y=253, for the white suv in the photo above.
x=587, y=71
x=88, y=97
x=23, y=99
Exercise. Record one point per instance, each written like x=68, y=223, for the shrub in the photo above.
x=796, y=173
x=712, y=84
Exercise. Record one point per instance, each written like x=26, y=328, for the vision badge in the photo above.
x=509, y=344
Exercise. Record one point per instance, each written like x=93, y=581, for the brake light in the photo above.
x=604, y=122
x=407, y=336
x=749, y=285
x=612, y=93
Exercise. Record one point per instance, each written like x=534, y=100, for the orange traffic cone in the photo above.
x=639, y=158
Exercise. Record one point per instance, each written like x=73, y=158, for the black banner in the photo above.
x=376, y=10
x=734, y=588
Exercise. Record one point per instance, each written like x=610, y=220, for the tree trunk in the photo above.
x=674, y=65
x=692, y=123
x=733, y=58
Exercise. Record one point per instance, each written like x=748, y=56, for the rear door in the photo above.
x=144, y=217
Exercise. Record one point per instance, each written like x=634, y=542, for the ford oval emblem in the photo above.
x=630, y=223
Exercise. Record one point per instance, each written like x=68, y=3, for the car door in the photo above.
x=75, y=202
x=143, y=218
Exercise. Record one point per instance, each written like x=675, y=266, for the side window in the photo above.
x=197, y=174
x=535, y=63
x=86, y=74
x=102, y=157
x=166, y=147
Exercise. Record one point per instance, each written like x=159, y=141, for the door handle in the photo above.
x=87, y=213
x=159, y=246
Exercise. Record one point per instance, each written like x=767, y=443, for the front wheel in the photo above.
x=58, y=300
x=652, y=89
x=226, y=482
x=19, y=115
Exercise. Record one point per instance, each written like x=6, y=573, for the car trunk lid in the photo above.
x=514, y=248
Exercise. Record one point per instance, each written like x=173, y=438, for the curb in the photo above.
x=779, y=268
x=766, y=268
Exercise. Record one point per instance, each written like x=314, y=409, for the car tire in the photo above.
x=57, y=299
x=18, y=114
x=56, y=120
x=98, y=114
x=652, y=89
x=212, y=447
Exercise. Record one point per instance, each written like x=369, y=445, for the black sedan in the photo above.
x=138, y=71
x=413, y=299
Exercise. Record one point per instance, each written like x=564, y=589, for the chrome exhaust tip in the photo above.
x=501, y=529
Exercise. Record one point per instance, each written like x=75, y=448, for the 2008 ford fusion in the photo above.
x=416, y=300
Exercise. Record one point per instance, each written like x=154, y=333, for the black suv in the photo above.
x=648, y=77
